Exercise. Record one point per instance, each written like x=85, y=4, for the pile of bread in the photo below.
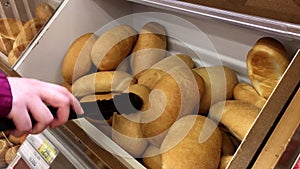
x=192, y=117
x=9, y=146
x=15, y=34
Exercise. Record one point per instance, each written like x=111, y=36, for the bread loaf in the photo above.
x=151, y=76
x=77, y=60
x=16, y=52
x=17, y=140
x=175, y=95
x=140, y=90
x=6, y=45
x=11, y=153
x=219, y=85
x=266, y=63
x=236, y=115
x=193, y=141
x=10, y=27
x=4, y=146
x=28, y=32
x=43, y=11
x=152, y=158
x=245, y=92
x=127, y=133
x=225, y=160
x=102, y=82
x=112, y=47
x=149, y=48
x=228, y=147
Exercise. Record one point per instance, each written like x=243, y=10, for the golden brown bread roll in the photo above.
x=228, y=147
x=112, y=47
x=151, y=76
x=16, y=52
x=10, y=27
x=11, y=153
x=266, y=63
x=29, y=31
x=77, y=60
x=175, y=95
x=193, y=141
x=187, y=60
x=43, y=11
x=152, y=158
x=225, y=160
x=149, y=48
x=140, y=90
x=102, y=82
x=6, y=45
x=127, y=133
x=245, y=92
x=4, y=146
x=236, y=115
x=219, y=85
x=17, y=140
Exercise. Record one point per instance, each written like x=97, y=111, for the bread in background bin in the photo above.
x=150, y=47
x=236, y=115
x=43, y=11
x=245, y=92
x=193, y=141
x=266, y=63
x=219, y=85
x=113, y=46
x=176, y=94
x=77, y=60
x=160, y=76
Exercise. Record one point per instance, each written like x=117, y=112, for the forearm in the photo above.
x=5, y=96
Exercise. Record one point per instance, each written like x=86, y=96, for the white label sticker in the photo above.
x=38, y=152
x=46, y=150
x=32, y=157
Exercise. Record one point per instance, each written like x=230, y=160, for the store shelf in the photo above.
x=244, y=20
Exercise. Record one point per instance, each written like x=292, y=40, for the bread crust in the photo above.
x=175, y=95
x=219, y=85
x=266, y=63
x=44, y=11
x=149, y=48
x=193, y=141
x=10, y=27
x=102, y=82
x=245, y=92
x=112, y=47
x=77, y=60
x=237, y=116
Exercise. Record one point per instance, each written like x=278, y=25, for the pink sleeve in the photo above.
x=5, y=96
x=297, y=166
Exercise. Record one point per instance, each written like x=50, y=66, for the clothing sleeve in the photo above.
x=5, y=96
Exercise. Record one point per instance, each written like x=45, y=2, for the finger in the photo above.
x=62, y=116
x=60, y=96
x=41, y=114
x=76, y=106
x=22, y=122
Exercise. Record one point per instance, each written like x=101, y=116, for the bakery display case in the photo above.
x=210, y=36
x=21, y=21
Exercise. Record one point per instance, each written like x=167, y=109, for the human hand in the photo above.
x=31, y=97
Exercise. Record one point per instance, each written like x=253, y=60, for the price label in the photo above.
x=38, y=152
x=32, y=157
x=47, y=151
